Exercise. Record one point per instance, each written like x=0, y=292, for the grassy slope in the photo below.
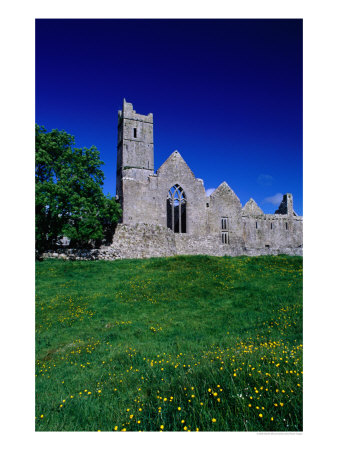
x=124, y=344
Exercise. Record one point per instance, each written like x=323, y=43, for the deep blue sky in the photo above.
x=227, y=94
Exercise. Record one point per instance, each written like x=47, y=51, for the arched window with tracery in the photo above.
x=176, y=210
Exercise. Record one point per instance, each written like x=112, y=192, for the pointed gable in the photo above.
x=176, y=162
x=251, y=208
x=224, y=190
x=225, y=199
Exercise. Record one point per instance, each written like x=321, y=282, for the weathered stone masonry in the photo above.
x=189, y=221
x=167, y=212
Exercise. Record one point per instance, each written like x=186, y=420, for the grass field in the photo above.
x=184, y=343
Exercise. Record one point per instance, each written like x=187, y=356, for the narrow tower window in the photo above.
x=286, y=226
x=256, y=224
x=271, y=225
x=135, y=132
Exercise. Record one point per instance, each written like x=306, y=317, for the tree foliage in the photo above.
x=69, y=199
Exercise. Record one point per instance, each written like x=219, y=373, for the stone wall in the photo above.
x=147, y=241
x=74, y=254
x=145, y=201
x=143, y=241
x=205, y=245
x=273, y=231
x=176, y=171
x=130, y=241
x=224, y=203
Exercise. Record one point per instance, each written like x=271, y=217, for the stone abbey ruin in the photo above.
x=167, y=212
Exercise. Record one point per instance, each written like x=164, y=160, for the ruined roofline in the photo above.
x=265, y=216
x=129, y=113
x=286, y=205
x=281, y=216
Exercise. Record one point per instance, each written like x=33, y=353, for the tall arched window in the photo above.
x=176, y=210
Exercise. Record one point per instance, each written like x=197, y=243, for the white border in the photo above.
x=320, y=146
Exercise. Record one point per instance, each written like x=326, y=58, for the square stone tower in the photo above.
x=135, y=147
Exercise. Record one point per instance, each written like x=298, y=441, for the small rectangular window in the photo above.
x=135, y=132
x=225, y=237
x=256, y=224
x=224, y=223
x=286, y=226
x=271, y=225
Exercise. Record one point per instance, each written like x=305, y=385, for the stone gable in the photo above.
x=252, y=209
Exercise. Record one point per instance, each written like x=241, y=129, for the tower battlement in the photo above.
x=129, y=113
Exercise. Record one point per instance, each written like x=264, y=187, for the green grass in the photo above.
x=122, y=345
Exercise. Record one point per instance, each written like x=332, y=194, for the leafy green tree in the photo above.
x=69, y=199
